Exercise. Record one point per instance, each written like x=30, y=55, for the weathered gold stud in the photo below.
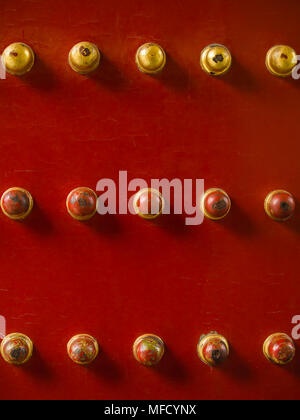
x=213, y=349
x=281, y=60
x=84, y=57
x=16, y=348
x=279, y=205
x=148, y=203
x=18, y=58
x=215, y=204
x=82, y=203
x=16, y=203
x=279, y=349
x=150, y=58
x=83, y=349
x=215, y=59
x=148, y=349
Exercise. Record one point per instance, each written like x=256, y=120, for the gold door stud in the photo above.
x=150, y=58
x=18, y=58
x=84, y=57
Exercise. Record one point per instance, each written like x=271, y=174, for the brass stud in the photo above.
x=84, y=57
x=148, y=349
x=148, y=203
x=150, y=58
x=18, y=58
x=83, y=349
x=16, y=348
x=279, y=348
x=215, y=60
x=82, y=203
x=279, y=205
x=281, y=60
x=215, y=204
x=213, y=349
x=16, y=203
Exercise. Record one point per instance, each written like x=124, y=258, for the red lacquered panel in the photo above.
x=118, y=277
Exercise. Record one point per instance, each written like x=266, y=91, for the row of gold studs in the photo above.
x=84, y=57
x=215, y=203
x=148, y=349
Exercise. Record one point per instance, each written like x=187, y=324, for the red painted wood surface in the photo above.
x=117, y=277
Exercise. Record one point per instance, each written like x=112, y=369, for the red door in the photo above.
x=117, y=277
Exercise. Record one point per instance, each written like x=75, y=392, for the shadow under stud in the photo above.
x=16, y=348
x=82, y=203
x=215, y=60
x=148, y=203
x=279, y=205
x=16, y=203
x=148, y=349
x=84, y=57
x=279, y=349
x=215, y=204
x=83, y=349
x=213, y=349
x=18, y=59
x=150, y=58
x=281, y=60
